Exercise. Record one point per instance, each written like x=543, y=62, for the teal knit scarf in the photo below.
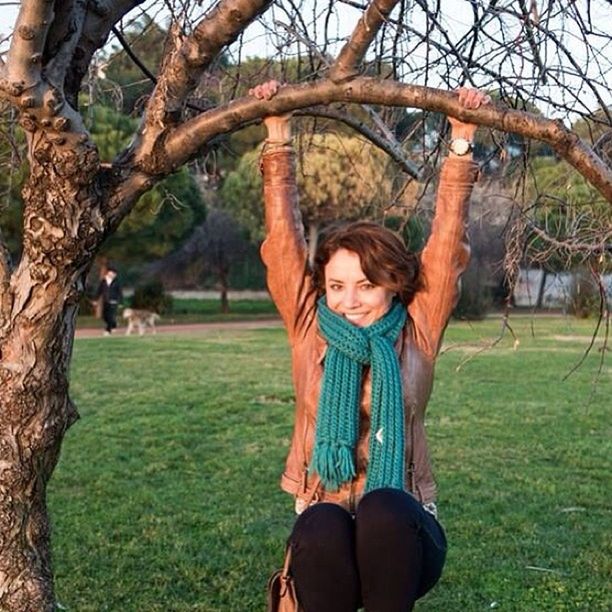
x=337, y=431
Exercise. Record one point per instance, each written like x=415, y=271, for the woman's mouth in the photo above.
x=354, y=317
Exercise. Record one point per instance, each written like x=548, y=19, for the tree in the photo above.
x=213, y=249
x=74, y=200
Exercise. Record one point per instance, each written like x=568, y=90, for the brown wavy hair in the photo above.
x=384, y=258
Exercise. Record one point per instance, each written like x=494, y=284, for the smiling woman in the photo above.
x=362, y=266
x=351, y=294
x=365, y=325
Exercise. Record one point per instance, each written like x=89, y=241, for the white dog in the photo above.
x=140, y=319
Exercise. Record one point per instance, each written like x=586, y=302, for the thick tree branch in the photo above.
x=25, y=55
x=186, y=60
x=353, y=52
x=220, y=28
x=101, y=16
x=62, y=40
x=42, y=106
x=391, y=148
x=184, y=142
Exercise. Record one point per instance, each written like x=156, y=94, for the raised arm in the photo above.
x=447, y=252
x=284, y=250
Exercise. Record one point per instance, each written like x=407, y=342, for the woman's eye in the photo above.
x=335, y=287
x=367, y=286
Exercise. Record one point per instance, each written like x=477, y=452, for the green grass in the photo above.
x=202, y=311
x=166, y=494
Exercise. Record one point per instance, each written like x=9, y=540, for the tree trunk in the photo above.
x=540, y=298
x=36, y=336
x=35, y=412
x=223, y=282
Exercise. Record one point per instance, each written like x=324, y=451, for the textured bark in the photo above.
x=34, y=414
x=62, y=229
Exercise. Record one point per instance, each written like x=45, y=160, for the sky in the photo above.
x=255, y=43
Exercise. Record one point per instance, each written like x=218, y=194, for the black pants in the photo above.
x=385, y=558
x=109, y=315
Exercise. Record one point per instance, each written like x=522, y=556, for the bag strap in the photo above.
x=285, y=572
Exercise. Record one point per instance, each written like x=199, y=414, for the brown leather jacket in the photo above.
x=443, y=260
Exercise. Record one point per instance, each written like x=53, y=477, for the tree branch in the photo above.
x=220, y=28
x=353, y=52
x=186, y=63
x=130, y=53
x=24, y=62
x=391, y=148
x=62, y=41
x=528, y=25
x=100, y=19
x=183, y=142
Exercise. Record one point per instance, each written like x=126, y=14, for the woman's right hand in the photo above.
x=278, y=126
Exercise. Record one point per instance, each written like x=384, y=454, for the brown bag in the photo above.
x=282, y=596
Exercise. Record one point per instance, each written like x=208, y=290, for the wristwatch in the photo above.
x=461, y=146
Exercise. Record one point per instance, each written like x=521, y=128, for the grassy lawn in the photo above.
x=201, y=311
x=166, y=495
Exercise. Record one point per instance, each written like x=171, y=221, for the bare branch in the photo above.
x=99, y=21
x=128, y=49
x=185, y=64
x=391, y=148
x=529, y=18
x=62, y=40
x=184, y=141
x=391, y=145
x=25, y=55
x=218, y=29
x=347, y=64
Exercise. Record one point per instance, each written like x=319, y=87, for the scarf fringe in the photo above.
x=334, y=463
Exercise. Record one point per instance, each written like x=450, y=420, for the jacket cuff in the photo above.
x=277, y=165
x=457, y=172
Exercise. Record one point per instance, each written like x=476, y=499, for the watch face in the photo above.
x=460, y=146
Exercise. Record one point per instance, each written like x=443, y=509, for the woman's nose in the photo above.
x=350, y=299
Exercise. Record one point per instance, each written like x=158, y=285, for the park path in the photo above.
x=188, y=328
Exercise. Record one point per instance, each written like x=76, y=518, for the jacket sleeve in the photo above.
x=284, y=250
x=445, y=256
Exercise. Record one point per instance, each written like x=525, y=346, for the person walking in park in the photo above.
x=110, y=294
x=365, y=325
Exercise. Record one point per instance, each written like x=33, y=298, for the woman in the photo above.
x=365, y=326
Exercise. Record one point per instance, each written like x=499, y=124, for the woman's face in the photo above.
x=350, y=294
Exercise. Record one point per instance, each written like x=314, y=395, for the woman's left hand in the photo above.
x=472, y=99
